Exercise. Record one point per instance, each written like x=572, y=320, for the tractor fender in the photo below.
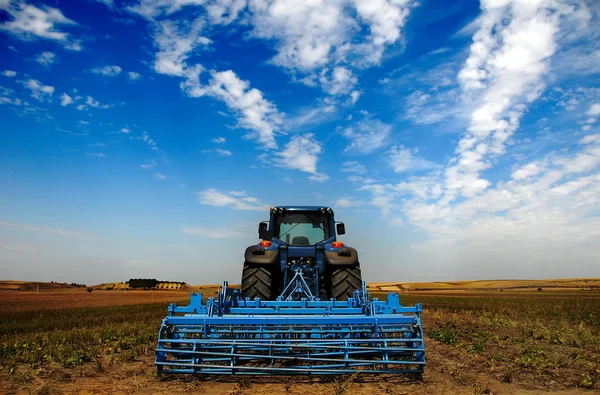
x=344, y=256
x=261, y=256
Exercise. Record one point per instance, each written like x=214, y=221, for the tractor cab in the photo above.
x=301, y=226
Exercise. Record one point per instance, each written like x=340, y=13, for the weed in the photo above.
x=342, y=384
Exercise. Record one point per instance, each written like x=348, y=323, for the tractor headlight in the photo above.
x=280, y=210
x=328, y=210
x=322, y=210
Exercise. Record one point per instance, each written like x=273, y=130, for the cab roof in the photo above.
x=302, y=208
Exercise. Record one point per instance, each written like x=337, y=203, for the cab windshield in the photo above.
x=299, y=228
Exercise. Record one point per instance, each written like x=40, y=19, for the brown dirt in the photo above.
x=446, y=373
x=450, y=370
x=66, y=299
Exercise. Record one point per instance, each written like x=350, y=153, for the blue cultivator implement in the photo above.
x=320, y=321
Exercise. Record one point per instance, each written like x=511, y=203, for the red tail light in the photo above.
x=265, y=243
x=337, y=244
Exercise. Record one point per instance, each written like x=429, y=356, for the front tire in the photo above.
x=344, y=280
x=258, y=281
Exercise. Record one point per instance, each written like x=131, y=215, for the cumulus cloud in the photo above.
x=148, y=165
x=594, y=110
x=312, y=36
x=46, y=58
x=367, y=136
x=254, y=112
x=238, y=200
x=527, y=171
x=346, y=202
x=133, y=76
x=65, y=100
x=219, y=140
x=353, y=167
x=107, y=71
x=301, y=153
x=89, y=102
x=38, y=90
x=508, y=57
x=320, y=41
x=403, y=159
x=9, y=73
x=29, y=22
x=159, y=176
x=223, y=152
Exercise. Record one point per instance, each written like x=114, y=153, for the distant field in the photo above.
x=489, y=285
x=476, y=341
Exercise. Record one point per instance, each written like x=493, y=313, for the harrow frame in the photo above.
x=231, y=335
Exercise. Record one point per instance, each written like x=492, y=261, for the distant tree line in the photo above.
x=143, y=283
x=73, y=284
x=149, y=282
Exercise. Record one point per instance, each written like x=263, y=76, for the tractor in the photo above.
x=299, y=256
x=302, y=309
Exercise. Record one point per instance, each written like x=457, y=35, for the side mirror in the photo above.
x=341, y=228
x=263, y=234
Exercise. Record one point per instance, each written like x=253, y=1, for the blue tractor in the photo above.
x=299, y=256
x=302, y=309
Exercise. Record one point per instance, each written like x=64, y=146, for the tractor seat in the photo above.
x=300, y=240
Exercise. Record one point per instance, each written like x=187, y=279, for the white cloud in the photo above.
x=46, y=58
x=591, y=138
x=594, y=110
x=319, y=177
x=133, y=76
x=65, y=100
x=339, y=81
x=148, y=141
x=125, y=130
x=509, y=55
x=526, y=171
x=254, y=112
x=30, y=22
x=159, y=176
x=223, y=152
x=317, y=35
x=89, y=102
x=219, y=140
x=38, y=90
x=149, y=165
x=237, y=201
x=177, y=43
x=353, y=167
x=213, y=233
x=319, y=40
x=346, y=202
x=45, y=229
x=107, y=71
x=95, y=154
x=354, y=97
x=367, y=136
x=9, y=73
x=403, y=159
x=109, y=3
x=300, y=153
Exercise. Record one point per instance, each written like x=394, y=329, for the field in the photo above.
x=72, y=341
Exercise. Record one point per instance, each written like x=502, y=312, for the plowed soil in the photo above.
x=475, y=344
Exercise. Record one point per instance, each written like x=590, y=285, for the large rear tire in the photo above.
x=344, y=280
x=258, y=281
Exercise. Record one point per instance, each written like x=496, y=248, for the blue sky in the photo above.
x=147, y=138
